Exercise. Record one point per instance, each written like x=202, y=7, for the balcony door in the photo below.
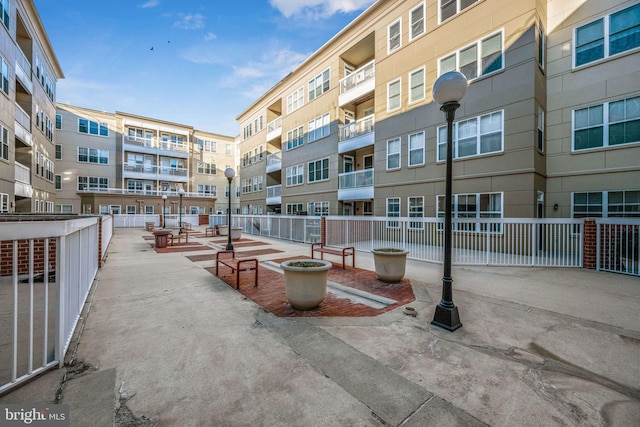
x=347, y=164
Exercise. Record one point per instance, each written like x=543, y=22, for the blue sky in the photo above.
x=210, y=59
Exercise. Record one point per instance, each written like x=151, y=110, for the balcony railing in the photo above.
x=155, y=143
x=158, y=193
x=274, y=129
x=23, y=173
x=23, y=70
x=274, y=193
x=154, y=170
x=22, y=126
x=355, y=129
x=357, y=179
x=358, y=84
x=274, y=162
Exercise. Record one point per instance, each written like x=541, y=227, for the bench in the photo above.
x=344, y=253
x=237, y=265
x=212, y=230
x=178, y=237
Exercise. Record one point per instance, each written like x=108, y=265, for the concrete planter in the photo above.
x=223, y=230
x=236, y=233
x=305, y=282
x=390, y=263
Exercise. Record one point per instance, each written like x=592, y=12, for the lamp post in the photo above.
x=181, y=193
x=448, y=90
x=164, y=211
x=229, y=173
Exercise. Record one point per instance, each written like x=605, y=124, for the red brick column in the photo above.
x=323, y=230
x=590, y=244
x=100, y=242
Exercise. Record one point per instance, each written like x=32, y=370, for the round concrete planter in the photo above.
x=223, y=230
x=305, y=283
x=390, y=263
x=236, y=233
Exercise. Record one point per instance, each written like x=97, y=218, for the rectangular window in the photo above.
x=6, y=20
x=587, y=205
x=63, y=209
x=318, y=170
x=416, y=149
x=449, y=8
x=541, y=45
x=609, y=124
x=58, y=151
x=318, y=208
x=206, y=145
x=416, y=85
x=246, y=185
x=294, y=208
x=318, y=128
x=4, y=143
x=92, y=128
x=58, y=121
x=319, y=85
x=131, y=209
x=416, y=210
x=295, y=175
x=607, y=36
x=206, y=168
x=93, y=155
x=479, y=59
x=5, y=77
x=416, y=21
x=295, y=138
x=480, y=205
x=58, y=182
x=393, y=211
x=295, y=100
x=394, y=36
x=613, y=204
x=92, y=183
x=479, y=135
x=393, y=95
x=4, y=202
x=207, y=190
x=148, y=210
x=540, y=132
x=393, y=154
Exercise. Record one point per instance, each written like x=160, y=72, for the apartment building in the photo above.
x=549, y=126
x=30, y=71
x=123, y=163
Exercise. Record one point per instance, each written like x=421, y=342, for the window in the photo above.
x=319, y=85
x=623, y=204
x=148, y=210
x=207, y=190
x=58, y=181
x=228, y=149
x=5, y=77
x=93, y=155
x=416, y=21
x=318, y=170
x=416, y=210
x=4, y=13
x=598, y=204
x=416, y=85
x=58, y=121
x=480, y=205
x=318, y=128
x=92, y=183
x=63, y=209
x=295, y=100
x=609, y=124
x=416, y=149
x=131, y=209
x=393, y=95
x=294, y=208
x=206, y=145
x=540, y=132
x=541, y=45
x=393, y=154
x=246, y=185
x=58, y=151
x=394, y=38
x=4, y=202
x=607, y=36
x=393, y=211
x=479, y=135
x=295, y=138
x=257, y=183
x=207, y=168
x=318, y=208
x=449, y=8
x=92, y=128
x=587, y=205
x=479, y=59
x=295, y=175
x=4, y=143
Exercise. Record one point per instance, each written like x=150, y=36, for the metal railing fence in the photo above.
x=617, y=241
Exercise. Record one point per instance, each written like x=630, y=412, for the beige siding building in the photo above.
x=124, y=164
x=354, y=129
x=29, y=71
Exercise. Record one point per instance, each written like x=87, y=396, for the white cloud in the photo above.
x=316, y=9
x=190, y=21
x=210, y=36
x=149, y=4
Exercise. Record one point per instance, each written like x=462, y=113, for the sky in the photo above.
x=196, y=63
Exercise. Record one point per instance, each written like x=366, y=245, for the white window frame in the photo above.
x=294, y=208
x=540, y=130
x=4, y=143
x=412, y=85
x=312, y=168
x=100, y=126
x=319, y=128
x=294, y=175
x=390, y=46
x=541, y=46
x=421, y=20
x=295, y=138
x=441, y=139
x=98, y=154
x=320, y=83
x=4, y=202
x=4, y=83
x=295, y=100
x=396, y=154
x=393, y=96
x=415, y=211
x=418, y=138
x=458, y=10
x=478, y=44
x=392, y=213
x=473, y=227
x=606, y=124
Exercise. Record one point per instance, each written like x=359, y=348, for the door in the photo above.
x=347, y=164
x=347, y=209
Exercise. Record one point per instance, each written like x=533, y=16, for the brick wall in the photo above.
x=589, y=252
x=6, y=256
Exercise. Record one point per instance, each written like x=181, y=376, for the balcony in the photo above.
x=23, y=70
x=23, y=186
x=158, y=193
x=358, y=84
x=274, y=195
x=155, y=146
x=22, y=126
x=356, y=135
x=356, y=185
x=152, y=172
x=274, y=129
x=274, y=162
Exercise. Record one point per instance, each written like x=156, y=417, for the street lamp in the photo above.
x=181, y=193
x=229, y=173
x=164, y=211
x=448, y=90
